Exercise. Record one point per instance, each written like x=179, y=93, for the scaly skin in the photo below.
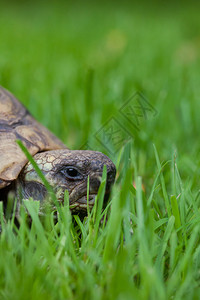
x=56, y=165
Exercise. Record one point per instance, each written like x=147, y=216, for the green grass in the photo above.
x=74, y=66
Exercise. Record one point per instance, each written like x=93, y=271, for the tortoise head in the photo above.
x=67, y=170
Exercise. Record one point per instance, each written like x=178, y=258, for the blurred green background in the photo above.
x=75, y=64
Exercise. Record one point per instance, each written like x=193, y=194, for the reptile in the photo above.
x=63, y=168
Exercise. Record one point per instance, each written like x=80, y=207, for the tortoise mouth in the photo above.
x=82, y=203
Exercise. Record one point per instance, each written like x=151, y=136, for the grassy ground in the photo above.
x=122, y=79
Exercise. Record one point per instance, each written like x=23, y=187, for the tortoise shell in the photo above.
x=16, y=123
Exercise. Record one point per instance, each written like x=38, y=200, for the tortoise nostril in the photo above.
x=95, y=184
x=110, y=176
x=111, y=173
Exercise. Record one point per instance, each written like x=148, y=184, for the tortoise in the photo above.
x=63, y=168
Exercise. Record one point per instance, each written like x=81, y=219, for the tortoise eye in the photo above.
x=71, y=173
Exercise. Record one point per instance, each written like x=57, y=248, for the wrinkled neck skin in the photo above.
x=66, y=170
